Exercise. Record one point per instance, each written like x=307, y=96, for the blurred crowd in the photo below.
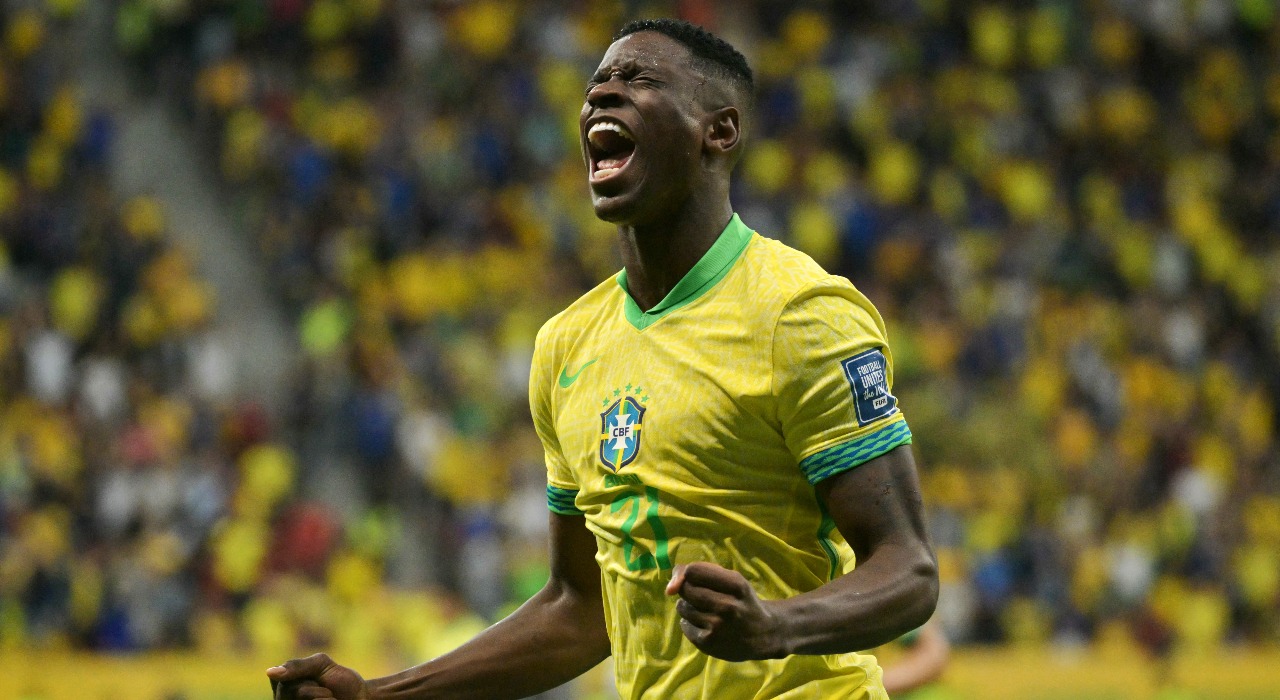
x=1068, y=213
x=114, y=401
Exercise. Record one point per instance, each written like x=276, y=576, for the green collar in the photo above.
x=713, y=266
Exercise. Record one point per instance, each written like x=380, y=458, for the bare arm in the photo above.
x=924, y=663
x=554, y=637
x=893, y=589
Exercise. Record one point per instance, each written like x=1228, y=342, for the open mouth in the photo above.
x=610, y=145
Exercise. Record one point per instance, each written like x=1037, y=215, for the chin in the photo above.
x=636, y=206
x=621, y=206
x=615, y=212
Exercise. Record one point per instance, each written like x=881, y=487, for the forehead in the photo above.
x=647, y=50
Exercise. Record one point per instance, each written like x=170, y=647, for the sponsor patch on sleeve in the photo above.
x=868, y=377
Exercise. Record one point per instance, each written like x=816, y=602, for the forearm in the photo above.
x=883, y=598
x=550, y=640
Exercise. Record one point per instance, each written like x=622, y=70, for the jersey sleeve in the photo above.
x=562, y=488
x=833, y=379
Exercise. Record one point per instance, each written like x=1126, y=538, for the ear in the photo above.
x=723, y=134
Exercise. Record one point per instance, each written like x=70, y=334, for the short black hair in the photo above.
x=707, y=48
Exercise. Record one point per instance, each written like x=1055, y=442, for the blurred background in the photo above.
x=271, y=270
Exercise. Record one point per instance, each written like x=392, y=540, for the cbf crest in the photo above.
x=620, y=427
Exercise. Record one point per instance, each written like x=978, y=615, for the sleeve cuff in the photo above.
x=854, y=453
x=561, y=501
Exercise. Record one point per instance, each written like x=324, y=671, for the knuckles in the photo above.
x=684, y=608
x=720, y=610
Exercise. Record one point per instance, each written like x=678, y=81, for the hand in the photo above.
x=316, y=677
x=722, y=615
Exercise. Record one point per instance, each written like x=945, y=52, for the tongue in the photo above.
x=612, y=162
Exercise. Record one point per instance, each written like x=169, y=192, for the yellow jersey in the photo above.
x=696, y=431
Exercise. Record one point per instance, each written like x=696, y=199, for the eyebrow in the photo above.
x=629, y=65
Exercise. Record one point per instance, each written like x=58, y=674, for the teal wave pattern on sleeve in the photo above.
x=561, y=501
x=854, y=453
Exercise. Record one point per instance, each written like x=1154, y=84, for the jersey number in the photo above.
x=648, y=502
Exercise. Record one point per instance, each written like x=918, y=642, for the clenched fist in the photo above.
x=314, y=678
x=722, y=615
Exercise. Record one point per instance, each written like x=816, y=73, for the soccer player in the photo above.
x=924, y=656
x=720, y=435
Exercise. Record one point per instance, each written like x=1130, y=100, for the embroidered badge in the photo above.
x=869, y=378
x=620, y=428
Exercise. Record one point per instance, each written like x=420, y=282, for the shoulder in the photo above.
x=565, y=328
x=782, y=278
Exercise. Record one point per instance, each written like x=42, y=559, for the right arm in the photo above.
x=552, y=639
x=555, y=637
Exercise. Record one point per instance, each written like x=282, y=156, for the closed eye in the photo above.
x=630, y=76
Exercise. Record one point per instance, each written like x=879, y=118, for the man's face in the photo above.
x=641, y=129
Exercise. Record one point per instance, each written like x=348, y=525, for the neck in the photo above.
x=658, y=254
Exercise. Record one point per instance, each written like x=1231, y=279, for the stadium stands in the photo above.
x=116, y=461
x=1069, y=214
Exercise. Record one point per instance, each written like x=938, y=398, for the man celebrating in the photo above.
x=720, y=434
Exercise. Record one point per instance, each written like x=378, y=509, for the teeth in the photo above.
x=614, y=127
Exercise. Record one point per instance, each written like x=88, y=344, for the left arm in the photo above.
x=892, y=590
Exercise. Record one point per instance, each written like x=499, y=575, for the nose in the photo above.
x=606, y=94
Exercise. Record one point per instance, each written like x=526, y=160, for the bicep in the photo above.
x=573, y=557
x=878, y=503
x=574, y=586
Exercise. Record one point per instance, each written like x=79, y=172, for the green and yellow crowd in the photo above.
x=113, y=456
x=1068, y=213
